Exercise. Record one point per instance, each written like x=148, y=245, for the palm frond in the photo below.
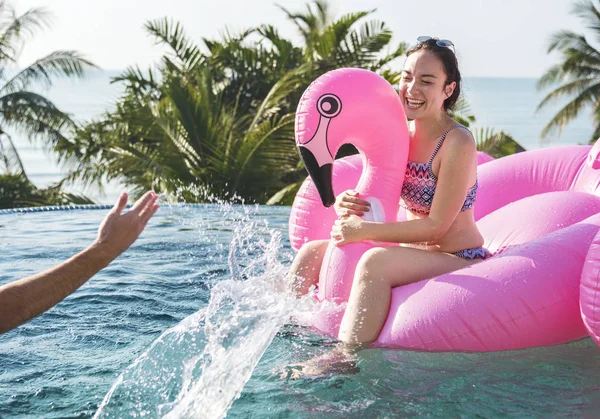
x=588, y=12
x=137, y=82
x=397, y=52
x=286, y=195
x=576, y=74
x=571, y=110
x=496, y=144
x=462, y=112
x=15, y=30
x=44, y=70
x=172, y=34
x=9, y=156
x=574, y=88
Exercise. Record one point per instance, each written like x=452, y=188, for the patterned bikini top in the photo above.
x=420, y=183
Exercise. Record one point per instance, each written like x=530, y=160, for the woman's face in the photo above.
x=423, y=88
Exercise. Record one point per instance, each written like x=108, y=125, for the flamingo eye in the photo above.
x=329, y=105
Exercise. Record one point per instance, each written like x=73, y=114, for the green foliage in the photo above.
x=462, y=112
x=216, y=116
x=220, y=116
x=578, y=73
x=16, y=191
x=496, y=144
x=31, y=113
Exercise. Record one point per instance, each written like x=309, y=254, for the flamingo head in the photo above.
x=348, y=105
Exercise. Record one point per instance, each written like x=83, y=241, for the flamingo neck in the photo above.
x=382, y=179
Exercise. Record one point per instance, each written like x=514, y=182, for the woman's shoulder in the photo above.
x=460, y=140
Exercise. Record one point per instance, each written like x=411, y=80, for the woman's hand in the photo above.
x=347, y=203
x=349, y=229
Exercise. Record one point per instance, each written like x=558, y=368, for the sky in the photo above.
x=493, y=38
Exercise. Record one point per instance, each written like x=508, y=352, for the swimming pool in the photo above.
x=192, y=316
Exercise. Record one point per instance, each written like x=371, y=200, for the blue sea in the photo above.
x=193, y=320
x=507, y=104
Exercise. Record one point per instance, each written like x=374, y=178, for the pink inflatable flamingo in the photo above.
x=336, y=109
x=539, y=211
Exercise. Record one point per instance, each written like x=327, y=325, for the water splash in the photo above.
x=199, y=367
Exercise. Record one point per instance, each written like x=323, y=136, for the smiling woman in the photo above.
x=430, y=74
x=438, y=191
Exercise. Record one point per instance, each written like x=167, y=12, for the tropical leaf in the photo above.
x=17, y=29
x=590, y=15
x=45, y=70
x=17, y=191
x=462, y=112
x=172, y=34
x=9, y=157
x=496, y=144
x=286, y=195
x=578, y=73
x=138, y=83
x=32, y=114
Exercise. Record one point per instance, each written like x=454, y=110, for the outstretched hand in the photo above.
x=118, y=231
x=23, y=299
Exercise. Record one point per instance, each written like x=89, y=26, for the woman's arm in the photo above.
x=458, y=165
x=456, y=175
x=23, y=299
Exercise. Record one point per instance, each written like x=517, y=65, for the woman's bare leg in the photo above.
x=307, y=265
x=378, y=271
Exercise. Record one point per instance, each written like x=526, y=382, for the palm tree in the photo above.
x=578, y=74
x=22, y=110
x=16, y=190
x=330, y=44
x=192, y=137
x=221, y=116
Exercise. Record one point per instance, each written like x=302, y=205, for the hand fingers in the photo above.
x=353, y=200
x=120, y=204
x=354, y=206
x=143, y=201
x=149, y=211
x=348, y=213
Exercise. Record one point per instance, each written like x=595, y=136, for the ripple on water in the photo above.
x=64, y=362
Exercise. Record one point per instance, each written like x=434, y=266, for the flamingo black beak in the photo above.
x=320, y=175
x=316, y=153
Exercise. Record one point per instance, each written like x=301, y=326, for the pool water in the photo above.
x=194, y=321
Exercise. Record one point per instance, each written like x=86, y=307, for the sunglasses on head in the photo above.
x=438, y=42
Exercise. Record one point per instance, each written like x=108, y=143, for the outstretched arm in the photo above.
x=23, y=299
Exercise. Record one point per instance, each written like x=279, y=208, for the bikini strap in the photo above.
x=439, y=145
